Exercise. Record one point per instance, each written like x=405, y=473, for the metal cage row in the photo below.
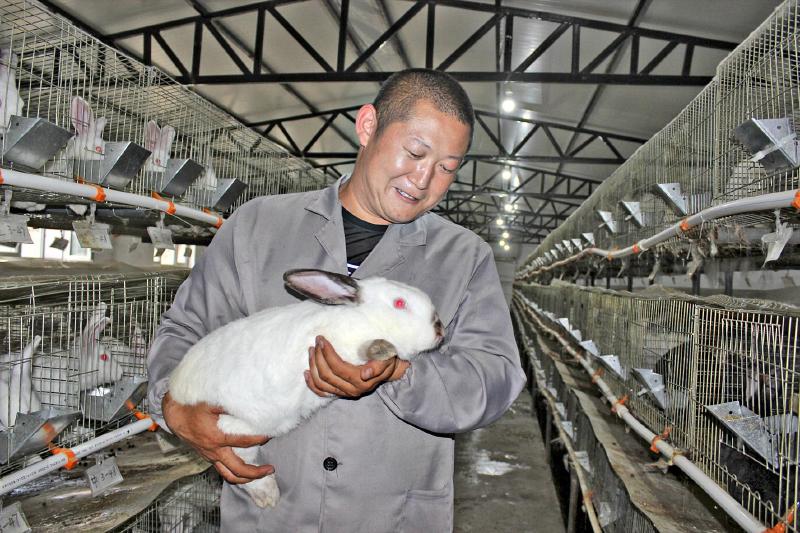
x=73, y=356
x=190, y=504
x=125, y=125
x=722, y=373
x=736, y=139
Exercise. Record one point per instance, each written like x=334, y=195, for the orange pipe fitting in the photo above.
x=72, y=459
x=618, y=403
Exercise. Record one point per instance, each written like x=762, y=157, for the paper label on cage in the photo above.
x=162, y=238
x=92, y=235
x=103, y=476
x=59, y=243
x=12, y=519
x=14, y=228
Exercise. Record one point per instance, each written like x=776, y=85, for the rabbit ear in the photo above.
x=81, y=114
x=167, y=136
x=99, y=127
x=98, y=329
x=97, y=319
x=31, y=348
x=324, y=287
x=152, y=133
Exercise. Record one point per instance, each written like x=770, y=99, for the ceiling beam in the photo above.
x=462, y=76
x=509, y=69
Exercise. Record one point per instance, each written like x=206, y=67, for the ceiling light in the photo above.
x=502, y=243
x=505, y=235
x=499, y=221
x=506, y=247
x=506, y=174
x=509, y=207
x=508, y=105
x=515, y=183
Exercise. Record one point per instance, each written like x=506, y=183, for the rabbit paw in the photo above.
x=264, y=491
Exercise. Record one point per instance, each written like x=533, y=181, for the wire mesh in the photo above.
x=70, y=345
x=705, y=151
x=758, y=80
x=610, y=498
x=730, y=394
x=191, y=504
x=50, y=69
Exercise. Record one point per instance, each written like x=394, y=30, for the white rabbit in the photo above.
x=263, y=391
x=209, y=179
x=16, y=393
x=133, y=355
x=96, y=365
x=88, y=143
x=159, y=142
x=10, y=101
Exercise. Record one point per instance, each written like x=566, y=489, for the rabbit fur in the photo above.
x=96, y=363
x=159, y=142
x=132, y=355
x=10, y=101
x=16, y=392
x=88, y=143
x=263, y=390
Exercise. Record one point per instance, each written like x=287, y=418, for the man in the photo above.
x=381, y=459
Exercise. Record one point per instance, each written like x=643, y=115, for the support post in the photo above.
x=548, y=434
x=572, y=512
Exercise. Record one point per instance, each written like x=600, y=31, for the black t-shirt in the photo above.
x=360, y=238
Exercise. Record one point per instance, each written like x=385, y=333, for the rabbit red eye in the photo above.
x=104, y=357
x=399, y=303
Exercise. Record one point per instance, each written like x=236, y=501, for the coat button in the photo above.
x=330, y=464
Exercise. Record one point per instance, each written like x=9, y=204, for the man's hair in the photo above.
x=402, y=90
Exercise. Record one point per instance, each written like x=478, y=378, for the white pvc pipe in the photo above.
x=765, y=202
x=90, y=192
x=728, y=504
x=37, y=470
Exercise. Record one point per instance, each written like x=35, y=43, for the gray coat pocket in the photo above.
x=428, y=511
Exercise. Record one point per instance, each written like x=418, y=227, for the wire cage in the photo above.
x=613, y=506
x=73, y=357
x=746, y=376
x=110, y=120
x=190, y=504
x=757, y=109
x=720, y=372
x=736, y=139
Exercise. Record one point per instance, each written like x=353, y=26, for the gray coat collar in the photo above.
x=327, y=205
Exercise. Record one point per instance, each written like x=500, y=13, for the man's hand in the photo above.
x=197, y=426
x=329, y=374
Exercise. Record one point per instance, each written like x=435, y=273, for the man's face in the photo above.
x=410, y=165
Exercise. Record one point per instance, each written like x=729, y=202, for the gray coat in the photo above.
x=393, y=449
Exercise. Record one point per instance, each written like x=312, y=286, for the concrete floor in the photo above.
x=502, y=481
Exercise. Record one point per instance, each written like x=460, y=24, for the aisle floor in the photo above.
x=502, y=481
